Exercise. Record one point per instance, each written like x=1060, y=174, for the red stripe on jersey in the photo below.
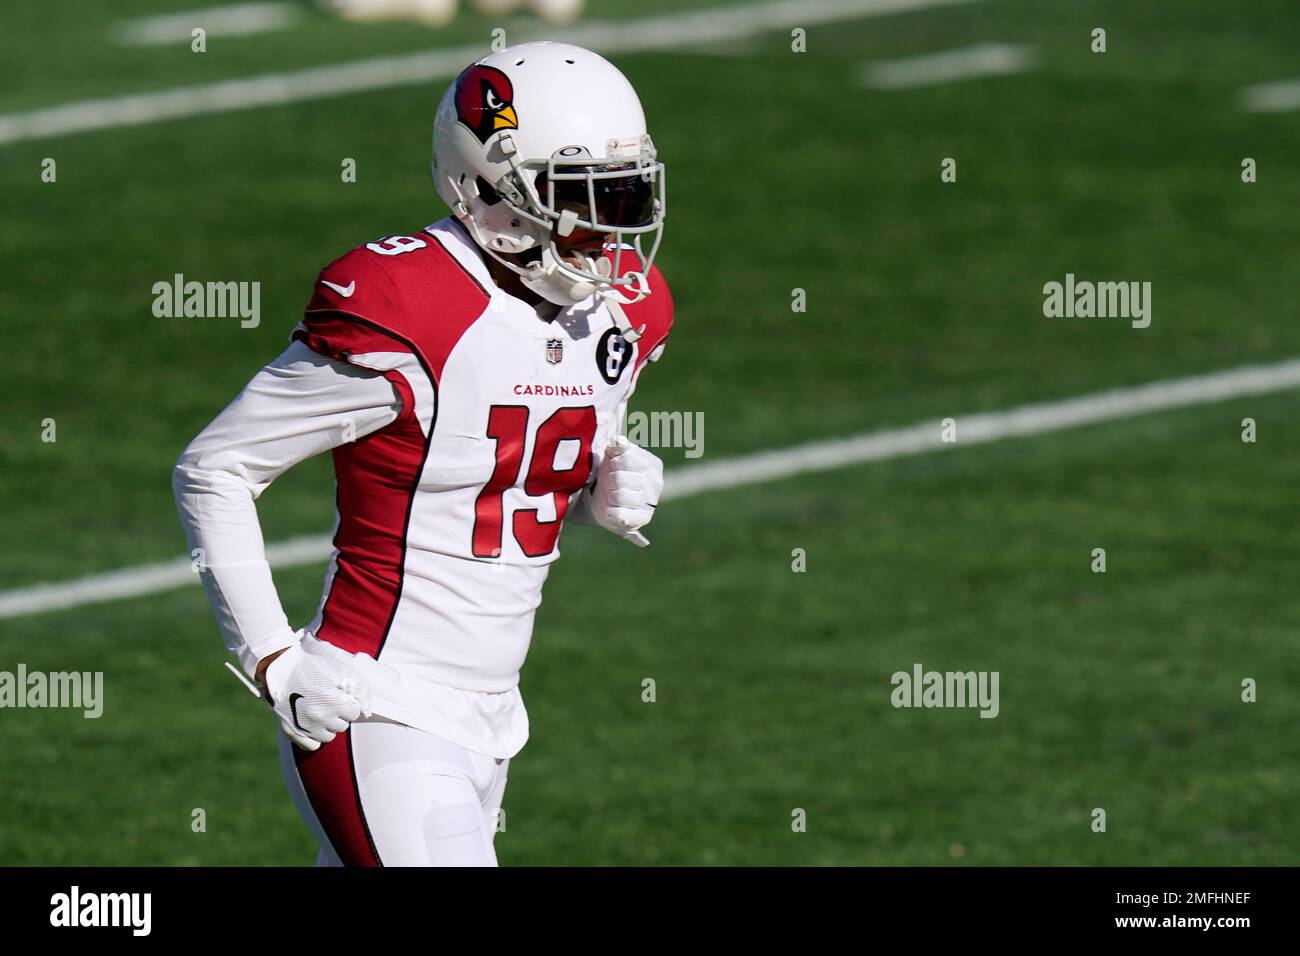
x=420, y=301
x=329, y=779
x=376, y=478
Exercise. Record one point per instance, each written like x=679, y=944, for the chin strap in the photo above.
x=611, y=299
x=539, y=276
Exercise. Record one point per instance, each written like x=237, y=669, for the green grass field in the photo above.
x=1118, y=690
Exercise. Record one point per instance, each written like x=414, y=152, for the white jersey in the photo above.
x=464, y=429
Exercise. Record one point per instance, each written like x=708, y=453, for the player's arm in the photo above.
x=300, y=405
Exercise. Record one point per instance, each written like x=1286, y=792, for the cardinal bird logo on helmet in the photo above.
x=485, y=101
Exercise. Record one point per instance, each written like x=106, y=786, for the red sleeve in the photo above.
x=339, y=336
x=399, y=294
x=655, y=312
x=349, y=309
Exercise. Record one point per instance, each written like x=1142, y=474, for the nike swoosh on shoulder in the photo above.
x=345, y=291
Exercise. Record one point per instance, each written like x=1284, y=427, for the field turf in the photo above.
x=1119, y=691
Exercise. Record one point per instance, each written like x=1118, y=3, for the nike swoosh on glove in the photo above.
x=316, y=695
x=629, y=482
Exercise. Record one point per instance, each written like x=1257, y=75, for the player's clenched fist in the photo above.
x=628, y=484
x=315, y=695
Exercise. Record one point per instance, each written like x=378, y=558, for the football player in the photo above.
x=470, y=379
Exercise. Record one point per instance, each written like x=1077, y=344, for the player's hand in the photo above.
x=315, y=695
x=628, y=484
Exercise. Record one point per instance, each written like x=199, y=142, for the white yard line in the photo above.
x=145, y=579
x=1277, y=97
x=949, y=66
x=238, y=19
x=975, y=429
x=666, y=32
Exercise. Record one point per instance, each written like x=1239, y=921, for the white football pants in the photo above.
x=385, y=794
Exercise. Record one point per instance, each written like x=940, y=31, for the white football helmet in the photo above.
x=543, y=138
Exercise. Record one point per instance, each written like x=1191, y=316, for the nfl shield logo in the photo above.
x=554, y=351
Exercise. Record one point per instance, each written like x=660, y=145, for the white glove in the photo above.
x=628, y=484
x=315, y=693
